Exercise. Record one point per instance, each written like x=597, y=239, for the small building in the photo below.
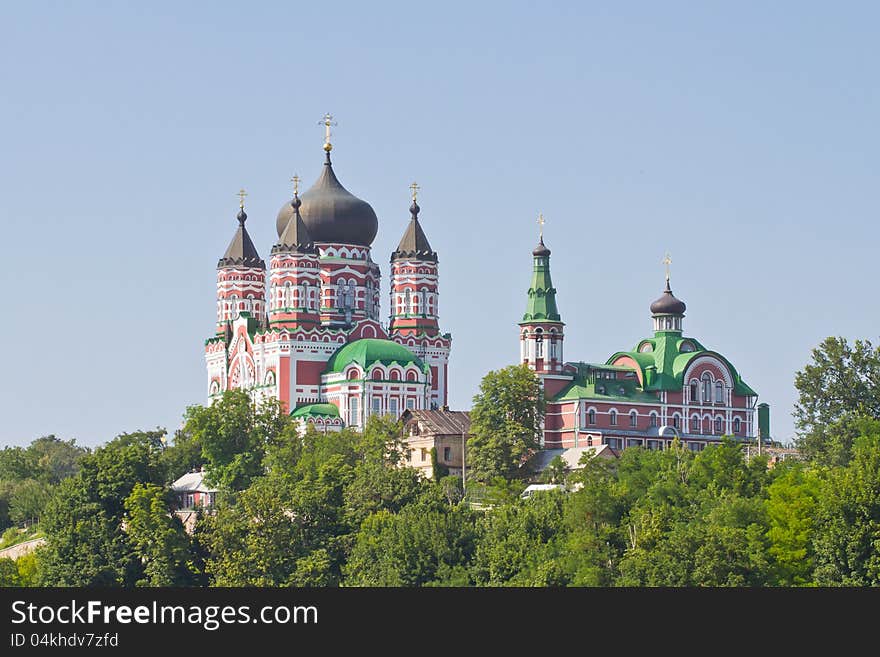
x=444, y=431
x=571, y=457
x=191, y=491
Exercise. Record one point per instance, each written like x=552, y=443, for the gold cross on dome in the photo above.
x=415, y=190
x=667, y=261
x=295, y=181
x=327, y=121
x=541, y=225
x=241, y=195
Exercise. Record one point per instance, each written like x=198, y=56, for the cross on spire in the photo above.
x=667, y=260
x=414, y=188
x=541, y=225
x=295, y=181
x=327, y=121
x=241, y=195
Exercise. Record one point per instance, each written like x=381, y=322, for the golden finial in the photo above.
x=327, y=121
x=667, y=261
x=541, y=225
x=295, y=181
x=241, y=195
x=414, y=188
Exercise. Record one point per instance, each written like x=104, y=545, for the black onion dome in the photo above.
x=414, y=244
x=241, y=251
x=333, y=214
x=541, y=250
x=668, y=304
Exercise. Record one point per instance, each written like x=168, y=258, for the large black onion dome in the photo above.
x=668, y=304
x=541, y=250
x=333, y=214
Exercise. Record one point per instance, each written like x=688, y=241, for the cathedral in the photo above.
x=667, y=386
x=313, y=338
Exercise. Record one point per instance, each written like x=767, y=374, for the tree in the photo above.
x=86, y=544
x=517, y=540
x=28, y=500
x=275, y=533
x=505, y=422
x=232, y=435
x=841, y=382
x=791, y=510
x=158, y=538
x=847, y=538
x=416, y=547
x=55, y=459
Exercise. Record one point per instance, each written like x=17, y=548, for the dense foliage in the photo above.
x=339, y=509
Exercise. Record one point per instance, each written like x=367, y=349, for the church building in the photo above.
x=311, y=335
x=667, y=386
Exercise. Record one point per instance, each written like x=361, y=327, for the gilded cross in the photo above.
x=415, y=190
x=295, y=181
x=667, y=261
x=241, y=195
x=327, y=121
x=541, y=225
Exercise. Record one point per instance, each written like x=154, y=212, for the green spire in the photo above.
x=541, y=306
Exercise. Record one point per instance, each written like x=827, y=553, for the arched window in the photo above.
x=411, y=376
x=270, y=378
x=736, y=425
x=718, y=423
x=377, y=375
x=613, y=418
x=694, y=393
x=591, y=416
x=394, y=375
x=707, y=388
x=352, y=374
x=539, y=342
x=719, y=392
x=695, y=424
x=654, y=419
x=407, y=302
x=633, y=419
x=676, y=421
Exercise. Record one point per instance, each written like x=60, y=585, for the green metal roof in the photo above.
x=663, y=366
x=587, y=385
x=316, y=410
x=366, y=351
x=541, y=305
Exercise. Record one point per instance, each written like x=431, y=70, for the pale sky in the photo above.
x=740, y=137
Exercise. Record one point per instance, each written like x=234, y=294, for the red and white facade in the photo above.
x=669, y=386
x=323, y=294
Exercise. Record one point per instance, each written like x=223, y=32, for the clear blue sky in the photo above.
x=741, y=137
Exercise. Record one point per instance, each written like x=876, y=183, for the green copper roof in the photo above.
x=316, y=410
x=589, y=386
x=663, y=363
x=541, y=305
x=367, y=351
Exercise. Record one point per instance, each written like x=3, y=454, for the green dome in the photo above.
x=316, y=410
x=366, y=351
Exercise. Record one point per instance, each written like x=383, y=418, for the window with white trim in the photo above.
x=353, y=415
